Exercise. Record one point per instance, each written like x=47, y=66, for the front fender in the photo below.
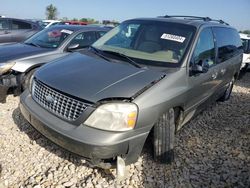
x=25, y=65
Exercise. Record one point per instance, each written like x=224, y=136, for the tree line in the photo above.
x=52, y=14
x=245, y=32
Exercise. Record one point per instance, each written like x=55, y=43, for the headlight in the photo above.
x=5, y=67
x=114, y=117
x=31, y=85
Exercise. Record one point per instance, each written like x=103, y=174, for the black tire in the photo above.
x=164, y=133
x=228, y=91
x=26, y=80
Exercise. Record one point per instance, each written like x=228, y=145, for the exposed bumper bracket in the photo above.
x=9, y=84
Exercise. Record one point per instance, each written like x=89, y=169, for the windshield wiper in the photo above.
x=131, y=61
x=97, y=52
x=32, y=44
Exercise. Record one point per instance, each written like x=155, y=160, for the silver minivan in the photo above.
x=146, y=77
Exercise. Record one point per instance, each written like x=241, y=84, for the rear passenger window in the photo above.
x=205, y=49
x=228, y=42
x=20, y=25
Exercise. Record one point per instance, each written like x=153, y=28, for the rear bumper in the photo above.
x=97, y=146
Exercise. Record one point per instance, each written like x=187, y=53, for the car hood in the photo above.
x=94, y=79
x=10, y=52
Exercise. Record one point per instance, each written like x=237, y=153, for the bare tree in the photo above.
x=51, y=12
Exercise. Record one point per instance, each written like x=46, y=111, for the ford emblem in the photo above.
x=49, y=99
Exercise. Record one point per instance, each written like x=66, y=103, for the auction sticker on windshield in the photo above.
x=67, y=31
x=176, y=38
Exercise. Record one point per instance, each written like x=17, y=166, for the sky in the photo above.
x=235, y=12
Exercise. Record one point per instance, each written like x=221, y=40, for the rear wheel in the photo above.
x=164, y=133
x=228, y=91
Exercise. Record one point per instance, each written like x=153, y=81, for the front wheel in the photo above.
x=228, y=91
x=164, y=133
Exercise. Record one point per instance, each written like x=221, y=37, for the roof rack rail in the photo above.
x=206, y=19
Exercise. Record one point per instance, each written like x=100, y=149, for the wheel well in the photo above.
x=28, y=73
x=32, y=68
x=178, y=114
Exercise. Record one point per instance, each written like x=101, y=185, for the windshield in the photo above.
x=49, y=38
x=150, y=42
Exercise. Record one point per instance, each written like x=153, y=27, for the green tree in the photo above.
x=89, y=20
x=84, y=19
x=51, y=12
x=245, y=31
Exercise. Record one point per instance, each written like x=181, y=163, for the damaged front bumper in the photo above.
x=9, y=84
x=100, y=148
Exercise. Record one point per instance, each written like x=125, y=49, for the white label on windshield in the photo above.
x=173, y=37
x=67, y=31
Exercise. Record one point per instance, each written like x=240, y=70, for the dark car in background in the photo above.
x=146, y=77
x=17, y=30
x=73, y=23
x=19, y=61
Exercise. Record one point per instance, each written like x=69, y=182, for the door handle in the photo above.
x=214, y=75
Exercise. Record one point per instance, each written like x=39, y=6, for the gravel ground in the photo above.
x=213, y=150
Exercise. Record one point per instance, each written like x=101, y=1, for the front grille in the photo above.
x=60, y=104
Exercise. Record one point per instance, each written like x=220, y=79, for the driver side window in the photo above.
x=84, y=39
x=205, y=49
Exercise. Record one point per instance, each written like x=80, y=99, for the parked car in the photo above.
x=102, y=25
x=19, y=61
x=145, y=77
x=73, y=23
x=16, y=30
x=246, y=46
x=48, y=23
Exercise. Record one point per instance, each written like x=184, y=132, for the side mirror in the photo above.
x=201, y=67
x=73, y=47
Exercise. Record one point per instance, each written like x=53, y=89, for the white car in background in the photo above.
x=246, y=45
x=48, y=23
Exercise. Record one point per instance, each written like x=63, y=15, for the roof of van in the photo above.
x=195, y=21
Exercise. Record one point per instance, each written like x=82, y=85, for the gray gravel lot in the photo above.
x=212, y=150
